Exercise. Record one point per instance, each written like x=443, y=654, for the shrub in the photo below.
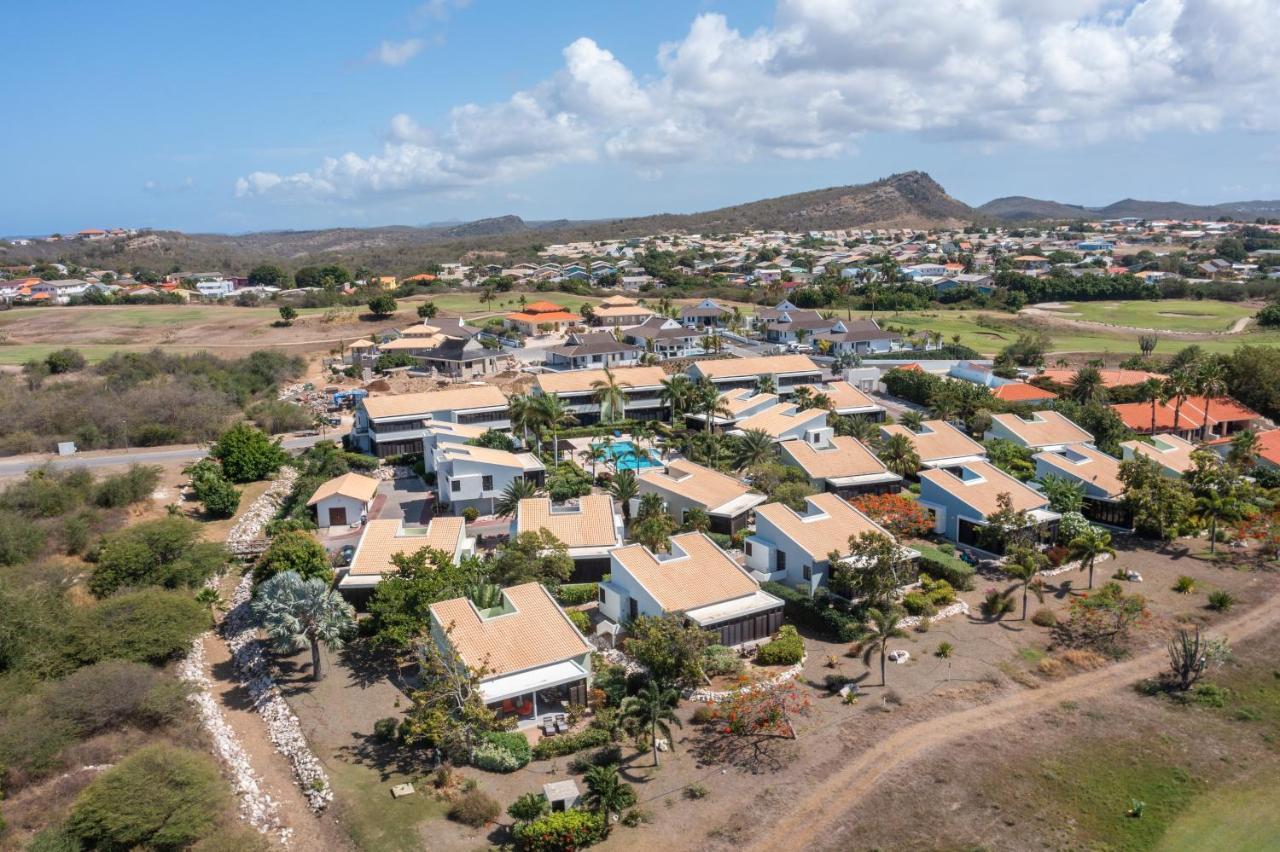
x=575, y=594
x=556, y=832
x=122, y=489
x=297, y=551
x=569, y=743
x=385, y=729
x=917, y=603
x=1184, y=585
x=161, y=797
x=947, y=547
x=493, y=758
x=20, y=540
x=100, y=696
x=786, y=649
x=470, y=514
x=1221, y=600
x=957, y=573
x=695, y=792
x=148, y=626
x=704, y=715
x=819, y=612
x=166, y=552
x=1210, y=695
x=515, y=744
x=580, y=620
x=1044, y=618
x=528, y=807
x=247, y=454
x=474, y=808
x=721, y=660
x=944, y=650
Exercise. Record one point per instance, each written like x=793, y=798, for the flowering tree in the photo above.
x=746, y=726
x=899, y=515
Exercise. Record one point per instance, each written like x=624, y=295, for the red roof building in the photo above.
x=1226, y=417
x=1022, y=392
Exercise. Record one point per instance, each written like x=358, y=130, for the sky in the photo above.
x=238, y=116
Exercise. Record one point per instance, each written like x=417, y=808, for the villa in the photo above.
x=684, y=485
x=541, y=318
x=599, y=349
x=705, y=314
x=619, y=312
x=848, y=401
x=961, y=497
x=840, y=465
x=1098, y=473
x=588, y=530
x=664, y=337
x=475, y=477
x=384, y=538
x=787, y=372
x=1172, y=453
x=1043, y=430
x=642, y=387
x=396, y=424
x=938, y=444
x=784, y=421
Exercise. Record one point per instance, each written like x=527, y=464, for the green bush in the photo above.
x=161, y=797
x=946, y=567
x=20, y=540
x=819, y=613
x=123, y=489
x=569, y=743
x=147, y=626
x=721, y=660
x=580, y=620
x=786, y=649
x=938, y=592
x=247, y=454
x=470, y=514
x=528, y=807
x=704, y=715
x=385, y=729
x=502, y=751
x=1044, y=618
x=297, y=551
x=102, y=696
x=474, y=808
x=556, y=832
x=575, y=594
x=917, y=603
x=166, y=552
x=1221, y=600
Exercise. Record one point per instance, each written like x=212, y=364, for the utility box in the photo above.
x=67, y=448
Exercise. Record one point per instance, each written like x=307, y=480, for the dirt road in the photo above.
x=810, y=816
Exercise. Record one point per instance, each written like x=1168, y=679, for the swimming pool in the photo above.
x=625, y=456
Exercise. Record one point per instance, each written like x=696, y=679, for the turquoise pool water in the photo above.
x=626, y=457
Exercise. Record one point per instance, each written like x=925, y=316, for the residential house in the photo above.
x=529, y=658
x=848, y=400
x=475, y=477
x=1023, y=393
x=343, y=500
x=1043, y=430
x=588, y=528
x=1171, y=453
x=795, y=548
x=642, y=387
x=60, y=292
x=441, y=433
x=739, y=404
x=785, y=421
x=620, y=312
x=840, y=464
x=684, y=485
x=664, y=337
x=857, y=337
x=962, y=497
x=447, y=348
x=587, y=350
x=938, y=444
x=541, y=318
x=695, y=579
x=706, y=314
x=384, y=538
x=1111, y=377
x=796, y=325
x=1269, y=448
x=394, y=424
x=1217, y=418
x=1098, y=473
x=787, y=371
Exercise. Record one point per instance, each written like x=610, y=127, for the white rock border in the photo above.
x=712, y=696
x=1073, y=566
x=946, y=612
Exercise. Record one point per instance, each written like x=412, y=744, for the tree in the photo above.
x=707, y=401
x=623, y=488
x=1191, y=654
x=606, y=792
x=1147, y=344
x=64, y=361
x=296, y=551
x=1003, y=525
x=899, y=454
x=399, y=608
x=532, y=557
x=874, y=570
x=549, y=412
x=288, y=314
x=167, y=552
x=912, y=419
x=1245, y=448
x=1215, y=506
x=1065, y=495
x=901, y=516
x=676, y=392
x=248, y=454
x=654, y=531
x=449, y=711
x=528, y=807
x=670, y=648
x=296, y=613
x=1178, y=386
x=1212, y=383
x=1024, y=565
x=428, y=310
x=1014, y=459
x=883, y=628
x=1087, y=387
x=1086, y=547
x=382, y=305
x=210, y=487
x=268, y=275
x=652, y=710
x=611, y=396
x=696, y=519
x=752, y=447
x=516, y=490
x=768, y=384
x=1160, y=507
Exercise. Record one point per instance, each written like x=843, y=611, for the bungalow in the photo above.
x=962, y=497
x=449, y=349
x=1172, y=453
x=601, y=349
x=796, y=325
x=858, y=337
x=705, y=314
x=527, y=656
x=475, y=477
x=1111, y=378
x=642, y=387
x=620, y=311
x=1140, y=416
x=60, y=292
x=540, y=318
x=664, y=337
x=794, y=548
x=588, y=530
x=696, y=579
x=840, y=464
x=1021, y=392
x=384, y=538
x=1269, y=448
x=938, y=444
x=1043, y=430
x=784, y=421
x=684, y=485
x=395, y=424
x=343, y=500
x=847, y=400
x=739, y=404
x=787, y=372
x=442, y=434
x=1098, y=472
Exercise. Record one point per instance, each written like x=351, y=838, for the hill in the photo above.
x=1015, y=208
x=1020, y=208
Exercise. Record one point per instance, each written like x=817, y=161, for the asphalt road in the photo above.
x=141, y=455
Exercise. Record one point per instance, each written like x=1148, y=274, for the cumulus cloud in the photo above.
x=396, y=53
x=827, y=72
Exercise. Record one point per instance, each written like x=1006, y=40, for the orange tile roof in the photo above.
x=1096, y=468
x=983, y=495
x=543, y=307
x=758, y=366
x=843, y=395
x=450, y=399
x=783, y=417
x=1221, y=410
x=1169, y=451
x=937, y=440
x=578, y=381
x=1021, y=392
x=589, y=524
x=535, y=632
x=1137, y=416
x=1043, y=428
x=845, y=457
x=703, y=575
x=1269, y=446
x=385, y=537
x=1111, y=378
x=351, y=485
x=710, y=488
x=826, y=525
x=550, y=316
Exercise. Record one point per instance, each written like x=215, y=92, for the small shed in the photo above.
x=343, y=500
x=563, y=795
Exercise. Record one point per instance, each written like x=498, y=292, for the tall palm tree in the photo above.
x=1180, y=385
x=803, y=397
x=550, y=413
x=1215, y=505
x=858, y=426
x=1091, y=543
x=899, y=455
x=754, y=446
x=623, y=487
x=609, y=393
x=1023, y=565
x=884, y=627
x=652, y=709
x=1212, y=384
x=296, y=613
x=521, y=412
x=913, y=420
x=606, y=792
x=516, y=490
x=708, y=402
x=1087, y=386
x=1245, y=447
x=821, y=400
x=676, y=392
x=1152, y=390
x=944, y=403
x=766, y=384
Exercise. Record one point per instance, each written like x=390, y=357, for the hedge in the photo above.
x=569, y=743
x=943, y=566
x=786, y=650
x=575, y=594
x=818, y=613
x=555, y=832
x=501, y=751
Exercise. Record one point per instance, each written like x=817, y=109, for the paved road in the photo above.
x=140, y=455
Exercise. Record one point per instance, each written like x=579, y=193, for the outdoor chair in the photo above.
x=562, y=723
x=548, y=726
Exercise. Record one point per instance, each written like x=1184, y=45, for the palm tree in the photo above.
x=676, y=392
x=610, y=395
x=1152, y=390
x=516, y=490
x=295, y=613
x=944, y=404
x=1023, y=565
x=913, y=420
x=754, y=446
x=821, y=400
x=1245, y=447
x=1180, y=385
x=766, y=384
x=884, y=626
x=652, y=709
x=1217, y=505
x=899, y=454
x=1087, y=386
x=858, y=426
x=623, y=488
x=551, y=413
x=1091, y=543
x=520, y=410
x=803, y=397
x=606, y=792
x=708, y=402
x=650, y=504
x=696, y=519
x=1212, y=383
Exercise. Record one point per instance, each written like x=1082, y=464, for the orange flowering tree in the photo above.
x=745, y=727
x=901, y=516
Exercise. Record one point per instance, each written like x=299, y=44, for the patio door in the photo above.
x=338, y=516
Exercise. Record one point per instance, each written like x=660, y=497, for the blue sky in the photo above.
x=237, y=116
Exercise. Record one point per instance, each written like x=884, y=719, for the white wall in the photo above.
x=354, y=508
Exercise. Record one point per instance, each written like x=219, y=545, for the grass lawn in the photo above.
x=1238, y=817
x=469, y=303
x=93, y=353
x=375, y=821
x=1168, y=315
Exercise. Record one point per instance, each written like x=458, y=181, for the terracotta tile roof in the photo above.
x=619, y=302
x=783, y=417
x=826, y=525
x=845, y=457
x=1089, y=465
x=1137, y=416
x=1269, y=446
x=607, y=311
x=1167, y=450
x=1221, y=410
x=1021, y=392
x=696, y=574
x=351, y=485
x=844, y=395
x=385, y=537
x=450, y=399
x=763, y=365
x=1111, y=378
x=981, y=494
x=534, y=633
x=578, y=381
x=1045, y=428
x=738, y=401
x=590, y=524
x=543, y=307
x=937, y=440
x=550, y=316
x=709, y=488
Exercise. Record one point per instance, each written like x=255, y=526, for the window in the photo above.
x=747, y=546
x=455, y=485
x=486, y=483
x=808, y=572
x=781, y=561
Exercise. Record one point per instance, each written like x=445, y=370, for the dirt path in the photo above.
x=1056, y=318
x=807, y=818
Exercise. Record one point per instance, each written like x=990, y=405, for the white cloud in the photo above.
x=396, y=53
x=829, y=71
x=438, y=10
